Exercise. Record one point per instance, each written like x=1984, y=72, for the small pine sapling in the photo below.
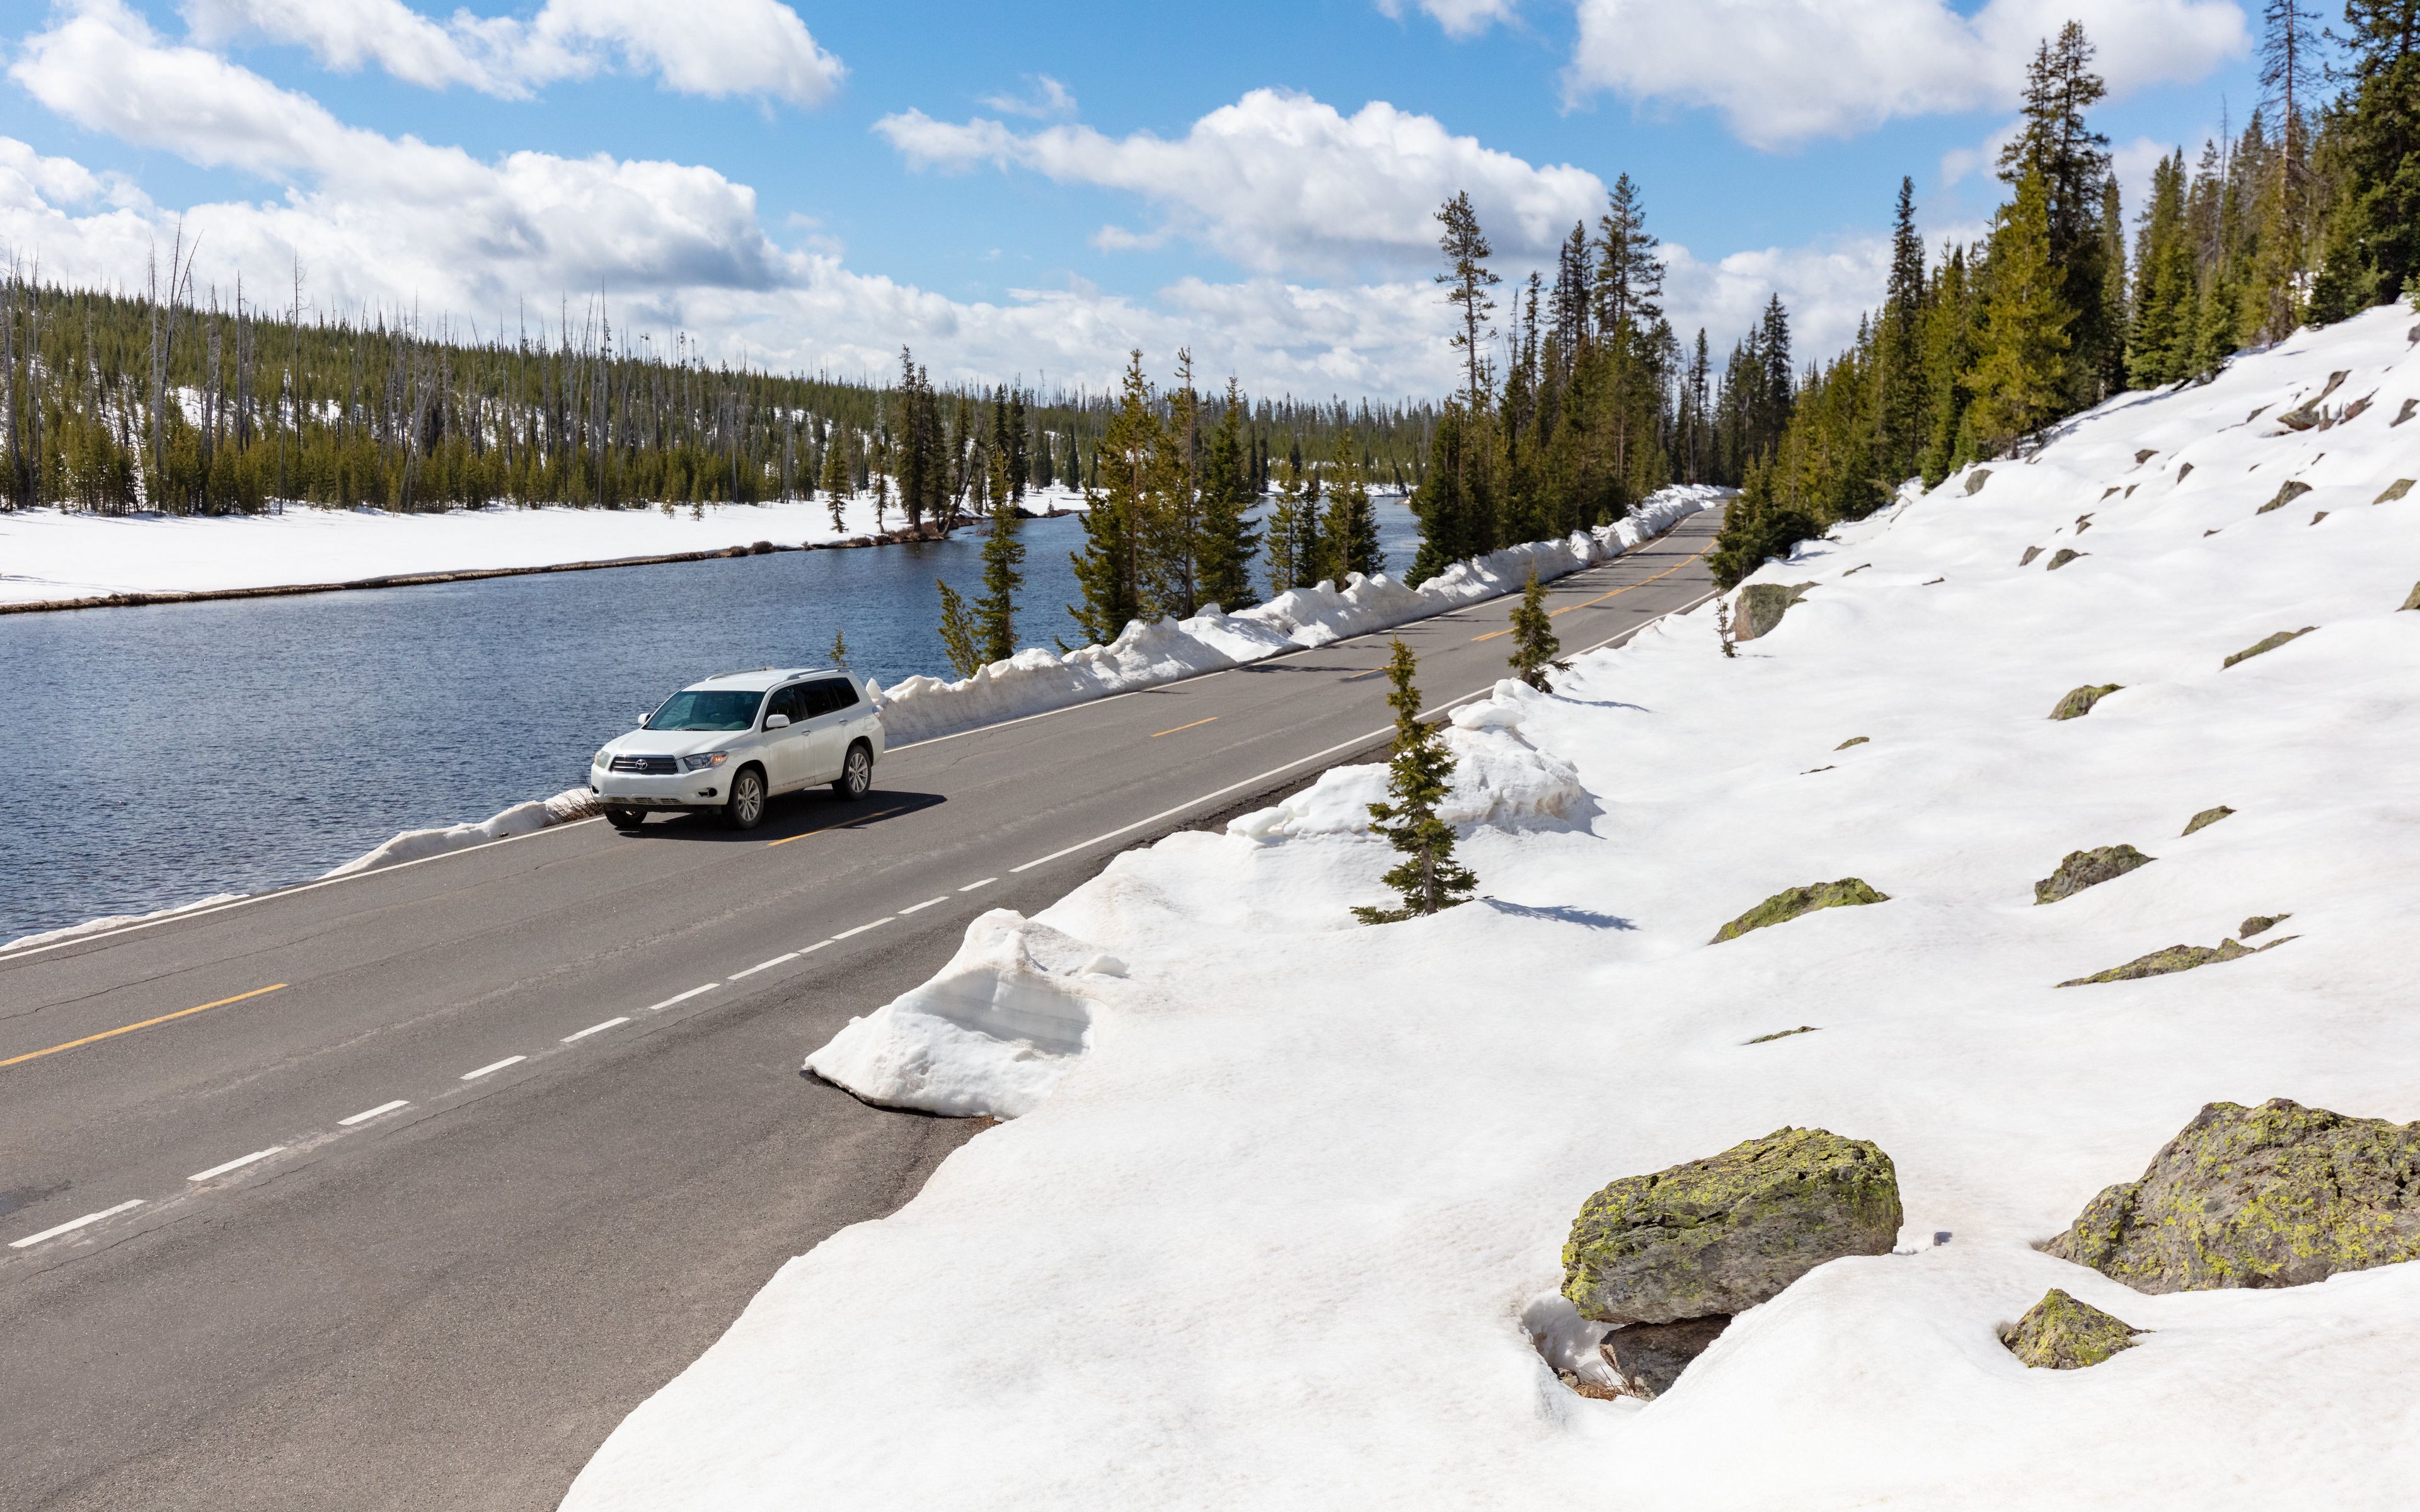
x=840, y=647
x=1723, y=626
x=1534, y=646
x=1428, y=878
x=958, y=633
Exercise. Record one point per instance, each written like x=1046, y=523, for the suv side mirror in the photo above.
x=777, y=722
x=644, y=715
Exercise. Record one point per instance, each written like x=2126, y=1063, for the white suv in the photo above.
x=730, y=742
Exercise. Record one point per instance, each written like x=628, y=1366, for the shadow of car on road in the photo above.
x=789, y=816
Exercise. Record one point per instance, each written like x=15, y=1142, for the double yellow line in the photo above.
x=129, y=1028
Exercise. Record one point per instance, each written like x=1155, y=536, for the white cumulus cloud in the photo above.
x=1458, y=18
x=698, y=47
x=1781, y=72
x=1281, y=181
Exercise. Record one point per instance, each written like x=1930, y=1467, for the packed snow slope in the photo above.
x=1280, y=1230
x=49, y=554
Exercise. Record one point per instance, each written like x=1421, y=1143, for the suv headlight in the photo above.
x=600, y=761
x=700, y=763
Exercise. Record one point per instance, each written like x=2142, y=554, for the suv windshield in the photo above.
x=706, y=710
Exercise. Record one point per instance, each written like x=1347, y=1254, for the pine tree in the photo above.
x=1228, y=542
x=1348, y=530
x=995, y=613
x=1468, y=278
x=1534, y=645
x=1456, y=502
x=960, y=638
x=836, y=479
x=1900, y=346
x=2055, y=145
x=1417, y=779
x=2019, y=376
x=840, y=647
x=2164, y=282
x=1109, y=568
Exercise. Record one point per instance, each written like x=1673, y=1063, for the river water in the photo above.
x=186, y=750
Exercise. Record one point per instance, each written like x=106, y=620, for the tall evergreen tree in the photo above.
x=961, y=639
x=1109, y=570
x=2019, y=376
x=1468, y=278
x=2056, y=144
x=1419, y=777
x=1348, y=529
x=995, y=613
x=1229, y=540
x=1900, y=355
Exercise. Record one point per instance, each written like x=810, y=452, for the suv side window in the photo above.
x=791, y=701
x=834, y=693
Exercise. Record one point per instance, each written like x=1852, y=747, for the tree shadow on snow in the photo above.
x=1582, y=916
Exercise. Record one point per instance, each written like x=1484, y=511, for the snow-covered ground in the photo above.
x=1276, y=1229
x=48, y=554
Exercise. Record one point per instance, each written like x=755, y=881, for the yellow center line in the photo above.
x=1213, y=719
x=841, y=824
x=129, y=1028
x=1615, y=594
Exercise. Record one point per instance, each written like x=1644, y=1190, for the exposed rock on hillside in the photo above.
x=2414, y=602
x=1852, y=740
x=1716, y=1236
x=1761, y=607
x=1786, y=906
x=2277, y=1196
x=2062, y=1334
x=2286, y=493
x=2259, y=924
x=2206, y=818
x=2079, y=702
x=2394, y=490
x=2266, y=643
x=2161, y=963
x=2062, y=557
x=1649, y=1357
x=2027, y=559
x=2089, y=869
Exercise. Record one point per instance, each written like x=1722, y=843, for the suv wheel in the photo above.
x=625, y=818
x=856, y=774
x=746, y=808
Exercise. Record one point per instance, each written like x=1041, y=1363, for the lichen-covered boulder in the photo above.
x=2061, y=557
x=1648, y=1357
x=2259, y=924
x=2286, y=494
x=1718, y=1236
x=2277, y=1196
x=2267, y=643
x=2089, y=869
x=2414, y=602
x=1761, y=607
x=1852, y=740
x=2027, y=559
x=2395, y=490
x=2206, y=818
x=2161, y=963
x=2079, y=702
x=1783, y=906
x=2062, y=1334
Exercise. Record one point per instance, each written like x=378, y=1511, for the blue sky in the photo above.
x=1028, y=192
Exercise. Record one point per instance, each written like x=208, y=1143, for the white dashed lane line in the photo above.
x=366, y=1114
x=509, y=1060
x=236, y=1165
x=73, y=1224
x=862, y=928
x=927, y=903
x=985, y=883
x=761, y=965
x=595, y=1029
x=683, y=998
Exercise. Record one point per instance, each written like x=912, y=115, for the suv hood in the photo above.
x=672, y=742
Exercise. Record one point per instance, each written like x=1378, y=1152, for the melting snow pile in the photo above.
x=1286, y=1233
x=520, y=819
x=1033, y=681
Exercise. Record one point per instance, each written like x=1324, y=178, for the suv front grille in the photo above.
x=651, y=765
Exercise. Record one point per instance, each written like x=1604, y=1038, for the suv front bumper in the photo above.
x=638, y=790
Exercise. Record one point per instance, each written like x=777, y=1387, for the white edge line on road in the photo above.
x=7, y=957
x=366, y=1114
x=73, y=1224
x=1437, y=710
x=810, y=950
x=509, y=1060
x=761, y=965
x=927, y=903
x=862, y=928
x=682, y=998
x=985, y=883
x=238, y=1164
x=596, y=1028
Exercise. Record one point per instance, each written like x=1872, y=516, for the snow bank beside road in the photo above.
x=1036, y=681
x=520, y=819
x=1279, y=1239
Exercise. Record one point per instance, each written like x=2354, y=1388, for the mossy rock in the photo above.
x=1717, y=1236
x=2080, y=870
x=2062, y=557
x=1761, y=607
x=2206, y=818
x=2395, y=490
x=2277, y=1196
x=2266, y=644
x=2161, y=963
x=2062, y=1334
x=1646, y=1358
x=2286, y=493
x=2259, y=924
x=1852, y=740
x=1788, y=904
x=2079, y=702
x=2414, y=602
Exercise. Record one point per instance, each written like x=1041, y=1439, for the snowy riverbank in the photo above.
x=1277, y=1226
x=48, y=555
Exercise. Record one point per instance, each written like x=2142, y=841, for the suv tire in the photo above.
x=745, y=808
x=624, y=819
x=857, y=772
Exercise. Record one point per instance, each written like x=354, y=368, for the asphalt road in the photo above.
x=450, y=1302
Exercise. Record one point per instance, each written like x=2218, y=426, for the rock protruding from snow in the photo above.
x=2206, y=818
x=2161, y=963
x=2259, y=924
x=2059, y=1333
x=2267, y=643
x=1761, y=607
x=2079, y=702
x=1714, y=1237
x=2413, y=602
x=2277, y=1196
x=992, y=1033
x=2080, y=870
x=1848, y=892
x=2286, y=493
x=2062, y=557
x=1646, y=1358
